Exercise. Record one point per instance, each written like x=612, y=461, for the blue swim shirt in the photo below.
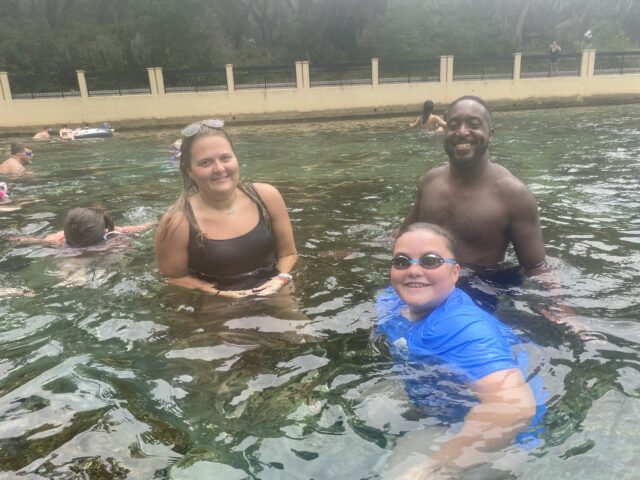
x=455, y=344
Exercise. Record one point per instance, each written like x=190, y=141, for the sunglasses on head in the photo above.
x=193, y=128
x=428, y=261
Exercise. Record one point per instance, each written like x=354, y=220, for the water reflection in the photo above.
x=117, y=375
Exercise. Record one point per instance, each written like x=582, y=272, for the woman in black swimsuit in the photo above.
x=222, y=236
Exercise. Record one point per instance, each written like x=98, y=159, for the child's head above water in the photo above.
x=84, y=227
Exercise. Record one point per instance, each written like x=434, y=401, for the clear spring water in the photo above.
x=107, y=372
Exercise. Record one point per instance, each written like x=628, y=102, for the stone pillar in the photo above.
x=299, y=79
x=450, y=68
x=231, y=84
x=305, y=74
x=82, y=84
x=517, y=65
x=5, y=88
x=443, y=68
x=591, y=65
x=584, y=63
x=160, y=81
x=151, y=72
x=374, y=72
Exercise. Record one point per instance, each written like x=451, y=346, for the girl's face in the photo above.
x=214, y=167
x=420, y=288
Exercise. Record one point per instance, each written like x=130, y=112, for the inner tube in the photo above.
x=93, y=133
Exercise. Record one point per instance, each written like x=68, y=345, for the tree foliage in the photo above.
x=39, y=36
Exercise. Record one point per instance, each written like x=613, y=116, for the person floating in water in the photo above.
x=85, y=227
x=21, y=156
x=428, y=120
x=222, y=236
x=66, y=133
x=43, y=134
x=449, y=343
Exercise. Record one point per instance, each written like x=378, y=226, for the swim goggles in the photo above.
x=428, y=261
x=29, y=153
x=193, y=128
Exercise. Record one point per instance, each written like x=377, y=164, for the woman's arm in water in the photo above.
x=286, y=253
x=506, y=407
x=416, y=122
x=172, y=256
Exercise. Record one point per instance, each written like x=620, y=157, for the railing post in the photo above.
x=151, y=72
x=299, y=79
x=305, y=74
x=517, y=65
x=374, y=72
x=5, y=87
x=231, y=85
x=160, y=81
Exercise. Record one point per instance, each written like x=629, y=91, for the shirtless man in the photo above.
x=483, y=204
x=21, y=155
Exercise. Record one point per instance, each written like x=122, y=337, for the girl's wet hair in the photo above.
x=84, y=227
x=433, y=228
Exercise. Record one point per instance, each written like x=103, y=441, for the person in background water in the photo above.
x=85, y=227
x=43, y=134
x=430, y=324
x=65, y=133
x=4, y=192
x=222, y=236
x=21, y=155
x=428, y=120
x=174, y=149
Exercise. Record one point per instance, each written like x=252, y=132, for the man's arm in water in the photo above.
x=526, y=236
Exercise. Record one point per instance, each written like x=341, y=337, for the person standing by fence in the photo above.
x=554, y=57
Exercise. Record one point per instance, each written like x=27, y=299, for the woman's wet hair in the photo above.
x=433, y=228
x=84, y=227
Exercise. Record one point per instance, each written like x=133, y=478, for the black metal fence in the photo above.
x=536, y=66
x=409, y=71
x=194, y=81
x=132, y=82
x=272, y=76
x=340, y=74
x=29, y=86
x=617, y=62
x=487, y=68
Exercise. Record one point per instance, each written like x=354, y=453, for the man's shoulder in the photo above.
x=506, y=181
x=434, y=173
